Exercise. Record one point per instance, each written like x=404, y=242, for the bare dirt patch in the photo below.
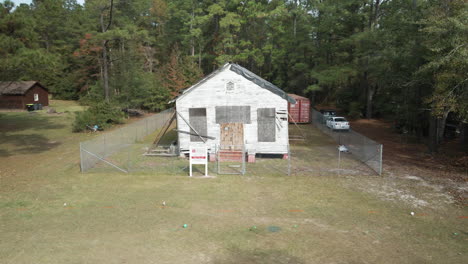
x=406, y=157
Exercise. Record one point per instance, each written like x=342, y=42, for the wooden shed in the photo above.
x=234, y=108
x=16, y=95
x=300, y=111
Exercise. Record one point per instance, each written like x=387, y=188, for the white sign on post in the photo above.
x=199, y=155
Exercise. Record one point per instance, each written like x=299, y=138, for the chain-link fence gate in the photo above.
x=363, y=148
x=230, y=159
x=272, y=164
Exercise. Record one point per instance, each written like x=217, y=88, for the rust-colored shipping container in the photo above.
x=299, y=112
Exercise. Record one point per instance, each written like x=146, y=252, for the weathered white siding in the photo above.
x=213, y=93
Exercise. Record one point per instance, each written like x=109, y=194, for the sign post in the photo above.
x=198, y=155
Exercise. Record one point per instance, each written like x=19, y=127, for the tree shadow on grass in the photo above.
x=26, y=144
x=237, y=255
x=13, y=122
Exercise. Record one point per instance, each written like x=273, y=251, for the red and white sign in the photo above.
x=199, y=155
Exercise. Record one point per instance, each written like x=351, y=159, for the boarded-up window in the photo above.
x=197, y=119
x=232, y=114
x=266, y=124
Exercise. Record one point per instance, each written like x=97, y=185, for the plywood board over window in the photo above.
x=233, y=114
x=197, y=119
x=266, y=124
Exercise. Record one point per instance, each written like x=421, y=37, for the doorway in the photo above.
x=232, y=136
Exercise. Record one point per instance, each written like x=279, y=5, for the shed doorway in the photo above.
x=232, y=136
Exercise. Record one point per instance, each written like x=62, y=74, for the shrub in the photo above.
x=102, y=114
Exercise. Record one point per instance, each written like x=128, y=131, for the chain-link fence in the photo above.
x=363, y=148
x=272, y=164
x=131, y=149
x=123, y=147
x=230, y=159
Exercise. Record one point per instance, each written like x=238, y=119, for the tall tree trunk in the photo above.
x=199, y=55
x=105, y=70
x=370, y=97
x=371, y=15
x=192, y=41
x=312, y=99
x=295, y=25
x=370, y=89
x=441, y=127
x=47, y=44
x=105, y=59
x=464, y=137
x=433, y=138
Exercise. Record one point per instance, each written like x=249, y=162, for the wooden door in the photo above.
x=232, y=134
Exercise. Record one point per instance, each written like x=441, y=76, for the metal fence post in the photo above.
x=289, y=161
x=217, y=157
x=243, y=159
x=81, y=159
x=339, y=161
x=128, y=160
x=380, y=163
x=146, y=123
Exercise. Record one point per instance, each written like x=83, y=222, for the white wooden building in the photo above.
x=234, y=107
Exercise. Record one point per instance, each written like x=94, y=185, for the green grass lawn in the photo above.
x=51, y=213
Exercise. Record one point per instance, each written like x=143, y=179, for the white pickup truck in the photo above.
x=337, y=123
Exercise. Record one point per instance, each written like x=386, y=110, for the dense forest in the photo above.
x=405, y=60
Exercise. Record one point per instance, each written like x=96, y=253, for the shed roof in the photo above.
x=246, y=74
x=17, y=88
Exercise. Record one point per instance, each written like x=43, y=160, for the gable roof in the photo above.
x=17, y=88
x=246, y=74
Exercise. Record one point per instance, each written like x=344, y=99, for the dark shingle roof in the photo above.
x=261, y=82
x=17, y=88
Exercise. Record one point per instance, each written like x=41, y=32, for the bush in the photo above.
x=102, y=114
